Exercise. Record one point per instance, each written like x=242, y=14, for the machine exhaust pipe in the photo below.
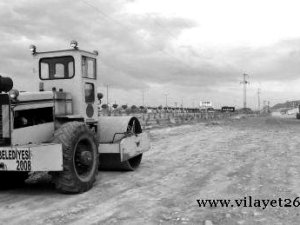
x=6, y=84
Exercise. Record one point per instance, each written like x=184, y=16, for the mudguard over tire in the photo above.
x=80, y=158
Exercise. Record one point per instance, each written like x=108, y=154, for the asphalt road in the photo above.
x=233, y=159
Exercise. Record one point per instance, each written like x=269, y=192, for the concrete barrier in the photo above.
x=161, y=119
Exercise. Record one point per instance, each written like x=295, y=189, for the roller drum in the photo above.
x=112, y=130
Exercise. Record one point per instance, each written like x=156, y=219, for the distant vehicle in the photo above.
x=227, y=109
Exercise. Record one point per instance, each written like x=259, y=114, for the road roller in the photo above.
x=56, y=128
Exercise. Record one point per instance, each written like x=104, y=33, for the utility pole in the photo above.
x=258, y=99
x=107, y=95
x=143, y=96
x=264, y=106
x=166, y=100
x=245, y=82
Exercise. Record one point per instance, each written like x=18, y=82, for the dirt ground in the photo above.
x=233, y=159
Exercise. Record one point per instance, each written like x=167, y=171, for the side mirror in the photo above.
x=6, y=84
x=99, y=96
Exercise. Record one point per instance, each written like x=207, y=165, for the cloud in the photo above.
x=278, y=62
x=125, y=53
x=136, y=51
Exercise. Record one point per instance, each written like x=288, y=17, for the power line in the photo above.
x=101, y=12
x=187, y=66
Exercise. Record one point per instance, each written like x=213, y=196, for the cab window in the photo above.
x=88, y=67
x=89, y=91
x=57, y=68
x=44, y=70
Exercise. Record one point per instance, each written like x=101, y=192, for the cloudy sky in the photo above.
x=192, y=50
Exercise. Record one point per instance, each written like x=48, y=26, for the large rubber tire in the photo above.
x=113, y=162
x=76, y=177
x=12, y=179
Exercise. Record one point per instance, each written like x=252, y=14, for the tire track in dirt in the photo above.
x=228, y=159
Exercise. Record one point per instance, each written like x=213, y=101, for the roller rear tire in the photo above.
x=80, y=158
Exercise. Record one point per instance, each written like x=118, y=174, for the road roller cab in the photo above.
x=72, y=74
x=57, y=129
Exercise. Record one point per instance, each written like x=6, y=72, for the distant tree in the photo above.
x=115, y=106
x=143, y=109
x=133, y=108
x=160, y=107
x=124, y=107
x=104, y=106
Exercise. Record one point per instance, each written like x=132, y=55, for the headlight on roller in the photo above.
x=14, y=93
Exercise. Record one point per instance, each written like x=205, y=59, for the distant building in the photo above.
x=205, y=104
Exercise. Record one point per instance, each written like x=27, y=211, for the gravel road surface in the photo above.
x=233, y=159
